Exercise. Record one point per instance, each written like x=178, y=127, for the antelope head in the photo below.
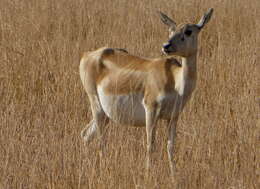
x=183, y=41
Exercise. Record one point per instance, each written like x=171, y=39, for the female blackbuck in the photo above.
x=138, y=91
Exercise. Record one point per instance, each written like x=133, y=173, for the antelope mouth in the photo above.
x=168, y=51
x=169, y=48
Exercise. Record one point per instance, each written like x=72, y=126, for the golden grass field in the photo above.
x=43, y=106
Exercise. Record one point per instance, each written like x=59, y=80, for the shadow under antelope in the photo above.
x=139, y=91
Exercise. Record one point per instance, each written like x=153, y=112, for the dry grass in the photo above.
x=44, y=108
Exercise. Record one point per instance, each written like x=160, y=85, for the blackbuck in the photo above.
x=136, y=91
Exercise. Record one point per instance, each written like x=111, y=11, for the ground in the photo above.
x=43, y=106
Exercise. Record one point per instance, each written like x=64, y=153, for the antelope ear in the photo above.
x=166, y=20
x=205, y=18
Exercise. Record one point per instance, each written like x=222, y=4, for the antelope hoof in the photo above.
x=87, y=135
x=83, y=133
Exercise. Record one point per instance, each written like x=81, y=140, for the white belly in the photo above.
x=125, y=109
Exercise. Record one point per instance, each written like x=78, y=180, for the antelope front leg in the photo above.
x=170, y=145
x=151, y=119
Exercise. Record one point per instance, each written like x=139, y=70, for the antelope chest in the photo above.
x=124, y=109
x=180, y=83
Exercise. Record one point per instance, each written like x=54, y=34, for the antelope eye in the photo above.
x=188, y=32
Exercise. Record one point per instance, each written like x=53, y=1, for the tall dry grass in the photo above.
x=44, y=108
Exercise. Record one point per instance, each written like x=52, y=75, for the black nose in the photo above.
x=166, y=46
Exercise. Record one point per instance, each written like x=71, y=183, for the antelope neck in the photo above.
x=189, y=65
x=190, y=74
